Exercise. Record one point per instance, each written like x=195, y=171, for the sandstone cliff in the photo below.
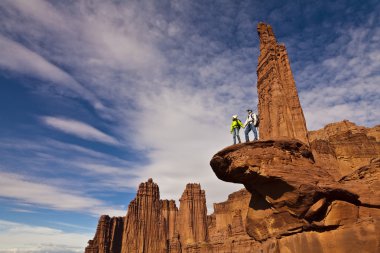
x=295, y=202
x=343, y=147
x=192, y=217
x=144, y=225
x=154, y=225
x=108, y=236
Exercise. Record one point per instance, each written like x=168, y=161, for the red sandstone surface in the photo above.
x=155, y=225
x=279, y=107
x=316, y=192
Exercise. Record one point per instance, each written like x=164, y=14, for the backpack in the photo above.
x=257, y=121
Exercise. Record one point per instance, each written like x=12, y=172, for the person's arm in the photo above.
x=240, y=124
x=232, y=127
x=246, y=122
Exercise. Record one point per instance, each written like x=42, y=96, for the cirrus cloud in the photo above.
x=79, y=129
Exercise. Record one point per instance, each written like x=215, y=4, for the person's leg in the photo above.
x=254, y=130
x=237, y=135
x=258, y=133
x=234, y=135
x=246, y=131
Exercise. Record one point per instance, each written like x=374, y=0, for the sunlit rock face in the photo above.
x=155, y=225
x=280, y=111
x=108, y=235
x=344, y=147
x=298, y=204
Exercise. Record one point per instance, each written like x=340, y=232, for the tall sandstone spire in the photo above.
x=144, y=226
x=192, y=224
x=280, y=111
x=108, y=235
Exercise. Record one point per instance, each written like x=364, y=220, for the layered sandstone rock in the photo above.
x=279, y=107
x=154, y=225
x=144, y=228
x=343, y=147
x=108, y=235
x=297, y=205
x=192, y=217
x=169, y=211
x=228, y=219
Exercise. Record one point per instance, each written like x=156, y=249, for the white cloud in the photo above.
x=25, y=190
x=79, y=129
x=103, y=169
x=345, y=84
x=16, y=57
x=95, y=171
x=37, y=10
x=22, y=238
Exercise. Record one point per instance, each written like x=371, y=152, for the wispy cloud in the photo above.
x=29, y=191
x=79, y=129
x=18, y=58
x=18, y=237
x=94, y=171
x=20, y=210
x=344, y=84
x=105, y=169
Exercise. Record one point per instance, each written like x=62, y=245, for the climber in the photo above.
x=235, y=127
x=250, y=124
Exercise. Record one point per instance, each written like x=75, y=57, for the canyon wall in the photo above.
x=343, y=147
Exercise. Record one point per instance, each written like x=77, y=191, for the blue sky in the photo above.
x=96, y=97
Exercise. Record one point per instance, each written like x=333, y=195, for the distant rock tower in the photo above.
x=280, y=111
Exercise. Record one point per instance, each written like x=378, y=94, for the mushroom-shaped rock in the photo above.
x=286, y=185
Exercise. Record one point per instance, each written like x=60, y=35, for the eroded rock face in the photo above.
x=343, y=147
x=280, y=111
x=192, y=218
x=154, y=225
x=144, y=226
x=299, y=204
x=108, y=235
x=228, y=218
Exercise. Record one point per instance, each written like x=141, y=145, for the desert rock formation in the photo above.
x=279, y=107
x=192, y=216
x=108, y=236
x=155, y=225
x=296, y=202
x=315, y=191
x=343, y=147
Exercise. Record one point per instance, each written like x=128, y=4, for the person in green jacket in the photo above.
x=235, y=127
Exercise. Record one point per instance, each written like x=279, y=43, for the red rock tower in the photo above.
x=192, y=215
x=280, y=111
x=108, y=235
x=144, y=226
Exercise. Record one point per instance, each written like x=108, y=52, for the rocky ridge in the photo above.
x=155, y=225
